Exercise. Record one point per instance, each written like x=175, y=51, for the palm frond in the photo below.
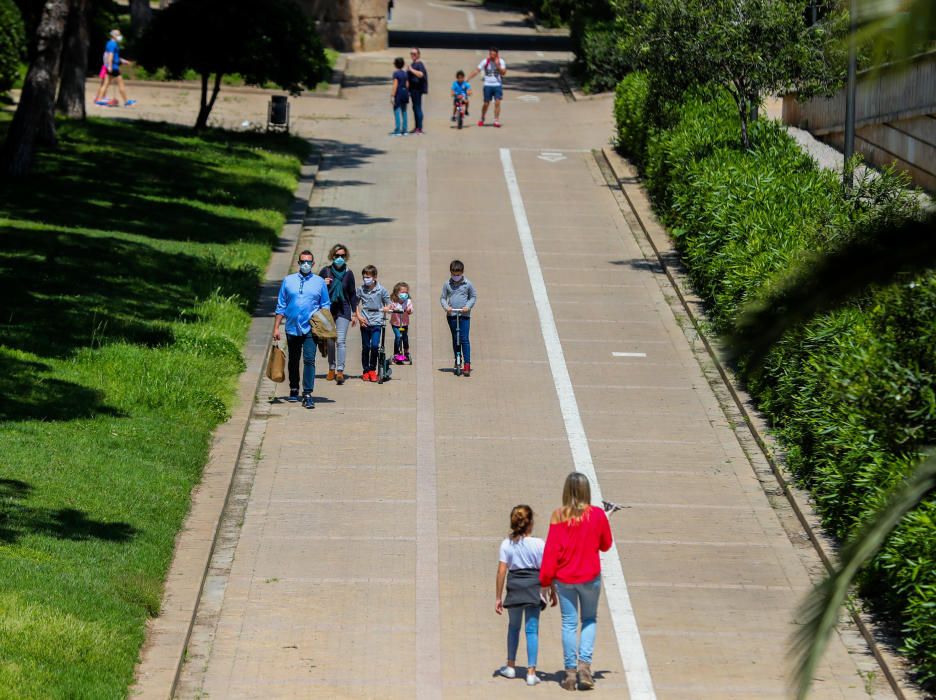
x=820, y=610
x=831, y=280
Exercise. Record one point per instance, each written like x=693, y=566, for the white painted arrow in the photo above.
x=551, y=156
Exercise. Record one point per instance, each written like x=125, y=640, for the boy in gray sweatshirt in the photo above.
x=458, y=299
x=373, y=301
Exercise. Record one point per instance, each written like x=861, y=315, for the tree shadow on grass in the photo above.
x=63, y=291
x=28, y=391
x=18, y=519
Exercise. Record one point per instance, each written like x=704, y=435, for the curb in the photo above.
x=167, y=635
x=573, y=90
x=626, y=179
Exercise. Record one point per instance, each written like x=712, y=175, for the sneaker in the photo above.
x=365, y=376
x=407, y=357
x=453, y=118
x=330, y=376
x=507, y=671
x=339, y=377
x=307, y=401
x=497, y=124
x=467, y=369
x=130, y=103
x=395, y=133
x=405, y=133
x=373, y=376
x=480, y=122
x=585, y=680
x=102, y=103
x=293, y=395
x=532, y=679
x=399, y=359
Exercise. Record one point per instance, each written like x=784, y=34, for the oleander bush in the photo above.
x=851, y=395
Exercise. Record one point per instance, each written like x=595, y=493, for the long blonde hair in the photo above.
x=576, y=496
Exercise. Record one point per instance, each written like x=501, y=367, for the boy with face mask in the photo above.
x=300, y=295
x=459, y=297
x=373, y=301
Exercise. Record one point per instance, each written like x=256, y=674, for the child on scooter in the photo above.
x=458, y=299
x=461, y=90
x=401, y=307
x=373, y=301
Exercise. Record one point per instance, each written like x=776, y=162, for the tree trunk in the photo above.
x=140, y=16
x=71, y=97
x=744, y=111
x=206, y=104
x=34, y=113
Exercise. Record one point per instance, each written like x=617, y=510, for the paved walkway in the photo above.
x=368, y=535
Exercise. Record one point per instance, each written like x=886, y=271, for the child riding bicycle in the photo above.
x=461, y=91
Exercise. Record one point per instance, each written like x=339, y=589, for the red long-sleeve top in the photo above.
x=572, y=548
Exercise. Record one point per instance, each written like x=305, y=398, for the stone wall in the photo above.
x=350, y=25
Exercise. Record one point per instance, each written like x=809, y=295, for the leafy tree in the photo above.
x=12, y=43
x=33, y=121
x=269, y=42
x=751, y=47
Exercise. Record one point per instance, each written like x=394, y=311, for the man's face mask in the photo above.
x=305, y=266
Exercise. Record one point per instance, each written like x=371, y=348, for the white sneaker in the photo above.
x=507, y=671
x=532, y=679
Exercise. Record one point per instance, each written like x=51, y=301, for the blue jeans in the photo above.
x=400, y=340
x=306, y=345
x=400, y=116
x=340, y=343
x=575, y=598
x=370, y=343
x=532, y=632
x=465, y=327
x=416, y=97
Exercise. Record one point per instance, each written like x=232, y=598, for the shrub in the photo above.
x=602, y=58
x=852, y=395
x=12, y=44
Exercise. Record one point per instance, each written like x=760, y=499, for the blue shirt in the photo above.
x=461, y=89
x=300, y=296
x=114, y=48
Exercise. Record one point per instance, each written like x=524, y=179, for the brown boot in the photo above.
x=339, y=377
x=586, y=682
x=331, y=375
x=569, y=682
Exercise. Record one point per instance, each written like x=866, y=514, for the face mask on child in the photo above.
x=368, y=281
x=404, y=296
x=457, y=278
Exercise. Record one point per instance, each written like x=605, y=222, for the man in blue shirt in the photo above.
x=300, y=296
x=112, y=63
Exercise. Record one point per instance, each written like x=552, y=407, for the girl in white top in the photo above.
x=521, y=551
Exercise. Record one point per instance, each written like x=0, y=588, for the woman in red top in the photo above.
x=578, y=531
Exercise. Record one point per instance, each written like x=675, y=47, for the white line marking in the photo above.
x=472, y=25
x=428, y=617
x=540, y=54
x=633, y=657
x=629, y=354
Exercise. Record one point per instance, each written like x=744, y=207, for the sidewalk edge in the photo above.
x=894, y=669
x=167, y=635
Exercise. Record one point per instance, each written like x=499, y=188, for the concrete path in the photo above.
x=368, y=533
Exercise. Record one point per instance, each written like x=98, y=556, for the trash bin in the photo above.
x=278, y=114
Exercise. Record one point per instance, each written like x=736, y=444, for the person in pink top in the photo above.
x=401, y=308
x=578, y=532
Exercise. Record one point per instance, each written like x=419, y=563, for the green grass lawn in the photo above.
x=128, y=263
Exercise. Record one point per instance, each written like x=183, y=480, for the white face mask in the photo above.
x=457, y=278
x=368, y=281
x=305, y=267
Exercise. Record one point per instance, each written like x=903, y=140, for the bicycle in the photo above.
x=460, y=110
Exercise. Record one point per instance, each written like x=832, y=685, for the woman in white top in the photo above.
x=521, y=557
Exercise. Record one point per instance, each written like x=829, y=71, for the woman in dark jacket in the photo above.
x=418, y=86
x=342, y=290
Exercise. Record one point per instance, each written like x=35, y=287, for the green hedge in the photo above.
x=852, y=395
x=12, y=44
